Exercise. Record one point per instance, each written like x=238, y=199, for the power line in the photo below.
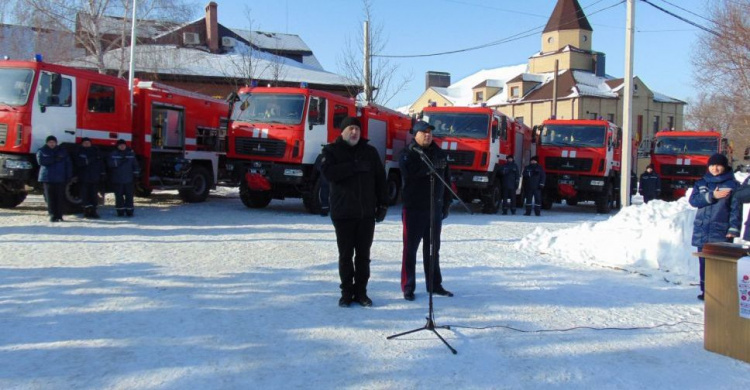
x=688, y=11
x=495, y=8
x=706, y=29
x=515, y=37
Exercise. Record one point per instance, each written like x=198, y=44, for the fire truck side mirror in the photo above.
x=534, y=132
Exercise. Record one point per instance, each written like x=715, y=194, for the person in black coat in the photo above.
x=357, y=200
x=89, y=167
x=123, y=169
x=510, y=178
x=55, y=169
x=533, y=181
x=415, y=215
x=650, y=184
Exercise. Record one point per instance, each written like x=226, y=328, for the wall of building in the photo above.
x=568, y=60
x=578, y=38
x=428, y=96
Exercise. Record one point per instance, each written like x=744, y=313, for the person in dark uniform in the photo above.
x=89, y=168
x=533, y=181
x=357, y=199
x=650, y=184
x=55, y=169
x=123, y=169
x=510, y=177
x=415, y=215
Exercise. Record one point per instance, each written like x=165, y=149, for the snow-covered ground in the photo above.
x=217, y=296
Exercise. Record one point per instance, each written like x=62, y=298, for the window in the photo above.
x=550, y=40
x=611, y=118
x=48, y=97
x=479, y=96
x=339, y=113
x=656, y=123
x=515, y=92
x=585, y=38
x=317, y=111
x=593, y=115
x=101, y=98
x=519, y=119
x=670, y=123
x=639, y=127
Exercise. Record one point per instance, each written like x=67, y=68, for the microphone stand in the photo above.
x=430, y=325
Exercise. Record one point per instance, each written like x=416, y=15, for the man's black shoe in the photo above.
x=409, y=296
x=363, y=300
x=443, y=292
x=700, y=297
x=345, y=301
x=505, y=212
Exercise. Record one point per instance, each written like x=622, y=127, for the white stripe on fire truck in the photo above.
x=444, y=145
x=564, y=153
x=264, y=133
x=104, y=135
x=454, y=145
x=687, y=161
x=573, y=154
x=256, y=133
x=679, y=161
x=148, y=138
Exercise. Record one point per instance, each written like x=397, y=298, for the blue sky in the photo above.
x=663, y=44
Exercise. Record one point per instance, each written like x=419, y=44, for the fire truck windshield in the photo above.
x=455, y=124
x=567, y=135
x=704, y=146
x=269, y=108
x=15, y=85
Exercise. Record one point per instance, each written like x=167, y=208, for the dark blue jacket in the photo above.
x=55, y=165
x=533, y=177
x=416, y=177
x=123, y=166
x=742, y=195
x=715, y=217
x=89, y=164
x=510, y=175
x=650, y=185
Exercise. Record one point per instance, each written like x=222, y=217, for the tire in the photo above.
x=141, y=191
x=492, y=202
x=547, y=200
x=254, y=199
x=393, y=186
x=199, y=185
x=571, y=201
x=604, y=201
x=9, y=200
x=312, y=201
x=73, y=202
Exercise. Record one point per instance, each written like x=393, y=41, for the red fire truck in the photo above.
x=680, y=158
x=276, y=137
x=175, y=134
x=581, y=159
x=478, y=140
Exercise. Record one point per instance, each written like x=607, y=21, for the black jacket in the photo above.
x=533, y=177
x=742, y=195
x=416, y=177
x=123, y=166
x=54, y=165
x=650, y=184
x=510, y=174
x=356, y=178
x=89, y=165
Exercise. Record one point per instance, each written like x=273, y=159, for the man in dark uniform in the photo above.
x=358, y=199
x=55, y=169
x=533, y=180
x=123, y=169
x=650, y=184
x=89, y=168
x=510, y=177
x=415, y=215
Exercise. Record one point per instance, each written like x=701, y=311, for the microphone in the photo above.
x=416, y=148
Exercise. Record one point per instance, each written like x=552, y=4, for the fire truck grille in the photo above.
x=460, y=157
x=683, y=170
x=568, y=164
x=3, y=134
x=260, y=147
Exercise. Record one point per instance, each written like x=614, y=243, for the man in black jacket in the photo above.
x=55, y=169
x=357, y=198
x=650, y=184
x=533, y=181
x=123, y=170
x=89, y=169
x=510, y=178
x=416, y=209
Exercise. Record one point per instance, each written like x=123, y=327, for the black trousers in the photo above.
x=123, y=196
x=416, y=230
x=54, y=194
x=354, y=239
x=533, y=199
x=88, y=194
x=509, y=199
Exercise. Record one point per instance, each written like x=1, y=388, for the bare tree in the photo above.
x=385, y=80
x=92, y=20
x=722, y=70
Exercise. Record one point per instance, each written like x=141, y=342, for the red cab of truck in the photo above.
x=478, y=140
x=680, y=158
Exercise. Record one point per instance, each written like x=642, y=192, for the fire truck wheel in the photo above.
x=72, y=197
x=312, y=201
x=492, y=201
x=141, y=191
x=547, y=201
x=199, y=183
x=254, y=199
x=604, y=201
x=393, y=187
x=9, y=200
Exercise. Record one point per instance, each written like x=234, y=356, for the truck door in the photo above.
x=496, y=138
x=376, y=133
x=316, y=129
x=167, y=127
x=54, y=109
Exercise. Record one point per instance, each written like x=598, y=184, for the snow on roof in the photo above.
x=589, y=84
x=460, y=92
x=145, y=28
x=170, y=59
x=661, y=98
x=272, y=40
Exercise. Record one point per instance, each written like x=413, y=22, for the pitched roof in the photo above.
x=460, y=92
x=567, y=15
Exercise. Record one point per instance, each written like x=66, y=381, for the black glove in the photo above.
x=446, y=210
x=361, y=166
x=380, y=213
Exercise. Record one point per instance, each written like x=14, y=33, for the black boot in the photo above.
x=129, y=212
x=94, y=214
x=528, y=211
x=120, y=213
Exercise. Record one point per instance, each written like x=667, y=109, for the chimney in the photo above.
x=436, y=79
x=212, y=28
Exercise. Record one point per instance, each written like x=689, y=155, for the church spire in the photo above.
x=567, y=15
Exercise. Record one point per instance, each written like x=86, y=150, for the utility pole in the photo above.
x=366, y=62
x=131, y=69
x=627, y=112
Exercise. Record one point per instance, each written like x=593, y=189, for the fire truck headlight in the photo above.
x=599, y=183
x=18, y=164
x=481, y=179
x=293, y=172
